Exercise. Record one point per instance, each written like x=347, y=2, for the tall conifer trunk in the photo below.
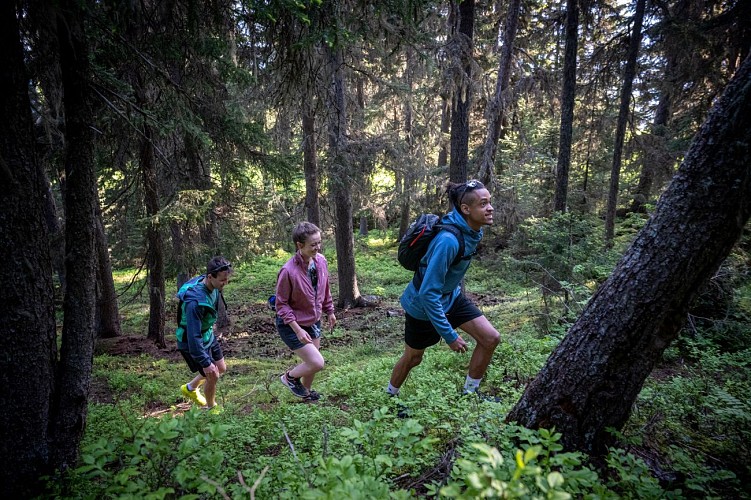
x=79, y=329
x=568, y=94
x=30, y=349
x=628, y=82
x=310, y=162
x=349, y=293
x=462, y=100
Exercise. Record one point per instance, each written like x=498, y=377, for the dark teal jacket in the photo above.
x=195, y=331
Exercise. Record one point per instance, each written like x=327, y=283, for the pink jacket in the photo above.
x=295, y=297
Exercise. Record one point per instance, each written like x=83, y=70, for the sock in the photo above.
x=394, y=391
x=190, y=389
x=471, y=384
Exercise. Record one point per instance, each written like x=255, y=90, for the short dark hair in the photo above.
x=217, y=264
x=302, y=231
x=456, y=191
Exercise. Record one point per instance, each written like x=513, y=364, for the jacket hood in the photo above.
x=193, y=290
x=455, y=218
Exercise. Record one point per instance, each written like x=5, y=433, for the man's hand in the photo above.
x=458, y=345
x=212, y=372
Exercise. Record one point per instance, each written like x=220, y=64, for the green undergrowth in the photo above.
x=688, y=435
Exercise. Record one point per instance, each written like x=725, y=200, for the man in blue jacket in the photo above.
x=199, y=305
x=436, y=306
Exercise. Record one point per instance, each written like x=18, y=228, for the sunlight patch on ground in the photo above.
x=173, y=410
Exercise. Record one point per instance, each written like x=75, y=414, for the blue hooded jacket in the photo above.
x=441, y=281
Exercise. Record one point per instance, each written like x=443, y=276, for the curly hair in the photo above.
x=456, y=191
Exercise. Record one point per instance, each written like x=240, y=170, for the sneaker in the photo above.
x=193, y=395
x=401, y=410
x=484, y=398
x=214, y=410
x=294, y=385
x=312, y=397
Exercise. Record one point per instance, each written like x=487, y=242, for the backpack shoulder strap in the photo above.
x=418, y=277
x=460, y=238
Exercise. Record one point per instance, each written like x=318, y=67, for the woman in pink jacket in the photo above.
x=302, y=296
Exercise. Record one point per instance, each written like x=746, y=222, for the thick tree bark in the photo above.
x=462, y=100
x=497, y=106
x=77, y=347
x=45, y=66
x=629, y=71
x=29, y=350
x=593, y=377
x=310, y=163
x=568, y=94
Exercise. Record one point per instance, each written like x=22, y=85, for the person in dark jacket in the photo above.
x=199, y=305
x=437, y=306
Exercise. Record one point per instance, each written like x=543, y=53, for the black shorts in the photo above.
x=419, y=334
x=214, y=351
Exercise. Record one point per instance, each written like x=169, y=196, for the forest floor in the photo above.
x=363, y=337
x=251, y=334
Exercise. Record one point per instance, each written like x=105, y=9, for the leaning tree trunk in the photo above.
x=77, y=346
x=29, y=350
x=568, y=94
x=593, y=377
x=629, y=72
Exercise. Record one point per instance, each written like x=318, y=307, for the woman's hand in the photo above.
x=303, y=336
x=332, y=321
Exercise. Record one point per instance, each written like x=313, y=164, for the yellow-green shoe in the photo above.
x=214, y=410
x=193, y=395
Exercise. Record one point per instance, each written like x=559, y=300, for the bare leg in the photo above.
x=197, y=381
x=209, y=390
x=410, y=359
x=307, y=380
x=312, y=363
x=487, y=338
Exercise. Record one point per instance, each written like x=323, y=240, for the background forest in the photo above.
x=141, y=138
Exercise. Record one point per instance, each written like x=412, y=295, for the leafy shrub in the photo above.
x=158, y=459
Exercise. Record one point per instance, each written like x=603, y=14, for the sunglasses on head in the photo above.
x=223, y=267
x=470, y=185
